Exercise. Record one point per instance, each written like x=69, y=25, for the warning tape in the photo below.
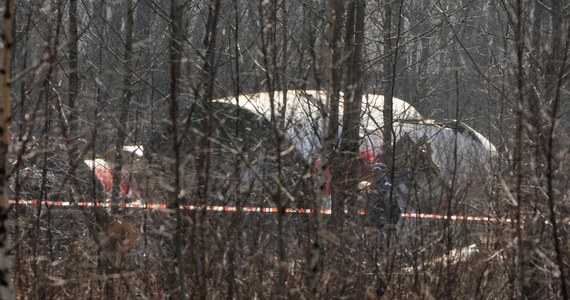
x=164, y=206
x=456, y=217
x=219, y=208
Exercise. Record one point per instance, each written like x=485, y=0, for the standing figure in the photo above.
x=381, y=210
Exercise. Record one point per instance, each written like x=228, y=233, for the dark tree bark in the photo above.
x=353, y=90
x=176, y=49
x=205, y=95
x=388, y=64
x=331, y=160
x=7, y=40
x=554, y=85
x=73, y=67
x=519, y=47
x=269, y=18
x=125, y=101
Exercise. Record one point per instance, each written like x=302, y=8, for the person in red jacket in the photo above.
x=128, y=188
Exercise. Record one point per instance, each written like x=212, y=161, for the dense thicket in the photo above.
x=89, y=77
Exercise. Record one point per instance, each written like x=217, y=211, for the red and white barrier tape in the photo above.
x=219, y=208
x=456, y=217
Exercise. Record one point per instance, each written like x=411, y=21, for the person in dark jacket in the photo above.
x=381, y=210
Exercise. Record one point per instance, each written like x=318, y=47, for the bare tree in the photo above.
x=335, y=19
x=126, y=99
x=353, y=92
x=7, y=40
x=211, y=87
x=176, y=48
x=73, y=65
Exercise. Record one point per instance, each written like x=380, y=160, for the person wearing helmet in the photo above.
x=381, y=210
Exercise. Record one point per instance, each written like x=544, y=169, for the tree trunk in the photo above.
x=330, y=159
x=125, y=103
x=176, y=48
x=554, y=85
x=205, y=96
x=73, y=69
x=5, y=291
x=350, y=141
x=388, y=113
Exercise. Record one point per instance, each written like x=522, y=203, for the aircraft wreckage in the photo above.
x=434, y=160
